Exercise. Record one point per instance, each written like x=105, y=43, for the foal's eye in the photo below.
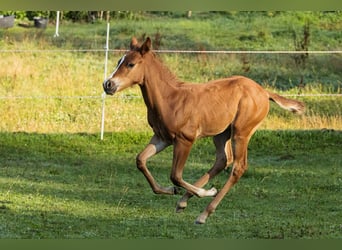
x=130, y=65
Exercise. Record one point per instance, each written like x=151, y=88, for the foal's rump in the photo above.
x=254, y=91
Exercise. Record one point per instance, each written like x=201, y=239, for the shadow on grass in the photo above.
x=77, y=186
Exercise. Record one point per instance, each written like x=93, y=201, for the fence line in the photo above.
x=184, y=51
x=139, y=97
x=167, y=51
x=251, y=51
x=50, y=97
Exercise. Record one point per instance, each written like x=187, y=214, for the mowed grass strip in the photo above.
x=77, y=186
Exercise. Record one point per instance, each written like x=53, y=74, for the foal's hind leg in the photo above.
x=239, y=167
x=223, y=158
x=242, y=132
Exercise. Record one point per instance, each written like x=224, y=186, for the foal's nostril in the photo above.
x=109, y=87
x=108, y=84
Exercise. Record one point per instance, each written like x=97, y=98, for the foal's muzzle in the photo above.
x=109, y=87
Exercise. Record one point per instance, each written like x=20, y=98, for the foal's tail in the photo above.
x=289, y=104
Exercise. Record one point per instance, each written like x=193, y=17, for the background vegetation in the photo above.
x=41, y=75
x=58, y=180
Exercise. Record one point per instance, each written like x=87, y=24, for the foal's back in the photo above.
x=211, y=107
x=227, y=93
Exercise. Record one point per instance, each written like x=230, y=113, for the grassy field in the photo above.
x=75, y=186
x=59, y=180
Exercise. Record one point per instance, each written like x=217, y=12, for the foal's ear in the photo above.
x=146, y=46
x=134, y=43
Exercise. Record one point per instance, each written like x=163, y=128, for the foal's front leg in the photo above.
x=154, y=147
x=180, y=154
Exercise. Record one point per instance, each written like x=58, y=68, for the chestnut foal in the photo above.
x=230, y=110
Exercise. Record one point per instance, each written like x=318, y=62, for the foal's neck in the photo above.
x=159, y=84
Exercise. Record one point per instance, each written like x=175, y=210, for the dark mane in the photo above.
x=166, y=73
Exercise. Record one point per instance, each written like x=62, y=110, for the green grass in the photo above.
x=58, y=180
x=76, y=186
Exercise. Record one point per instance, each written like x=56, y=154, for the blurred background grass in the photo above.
x=46, y=87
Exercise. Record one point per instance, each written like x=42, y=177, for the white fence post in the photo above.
x=103, y=96
x=57, y=25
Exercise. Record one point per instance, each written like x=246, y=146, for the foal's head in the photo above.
x=130, y=68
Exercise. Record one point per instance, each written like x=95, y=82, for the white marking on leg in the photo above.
x=203, y=193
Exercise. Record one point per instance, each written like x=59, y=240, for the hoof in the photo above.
x=202, y=218
x=180, y=209
x=181, y=206
x=199, y=222
x=177, y=190
x=213, y=191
